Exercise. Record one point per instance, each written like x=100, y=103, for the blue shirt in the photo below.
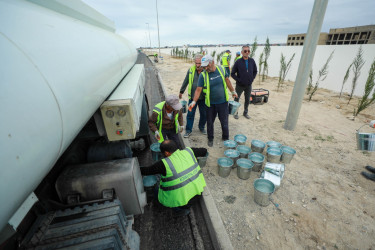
x=217, y=92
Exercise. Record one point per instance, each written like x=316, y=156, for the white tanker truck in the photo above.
x=71, y=96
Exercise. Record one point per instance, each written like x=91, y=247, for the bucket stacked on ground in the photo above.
x=251, y=159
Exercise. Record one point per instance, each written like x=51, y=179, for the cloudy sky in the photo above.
x=225, y=22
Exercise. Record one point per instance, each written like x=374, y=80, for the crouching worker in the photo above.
x=182, y=180
x=166, y=120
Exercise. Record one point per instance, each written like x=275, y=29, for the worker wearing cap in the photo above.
x=244, y=72
x=182, y=180
x=214, y=82
x=225, y=61
x=238, y=56
x=166, y=120
x=191, y=82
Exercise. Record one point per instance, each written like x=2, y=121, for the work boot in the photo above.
x=247, y=116
x=371, y=169
x=368, y=176
x=210, y=143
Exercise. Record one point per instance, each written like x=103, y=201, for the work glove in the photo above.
x=191, y=105
x=234, y=94
x=180, y=129
x=157, y=135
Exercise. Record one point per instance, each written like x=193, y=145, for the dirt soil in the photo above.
x=323, y=201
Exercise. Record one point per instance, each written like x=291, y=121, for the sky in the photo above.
x=225, y=22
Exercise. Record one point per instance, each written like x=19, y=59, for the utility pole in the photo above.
x=307, y=58
x=157, y=19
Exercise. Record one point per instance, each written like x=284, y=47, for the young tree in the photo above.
x=284, y=69
x=345, y=78
x=323, y=72
x=267, y=51
x=310, y=86
x=364, y=102
x=357, y=66
x=260, y=64
x=253, y=48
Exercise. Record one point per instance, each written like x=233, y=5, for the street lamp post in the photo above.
x=157, y=19
x=149, y=36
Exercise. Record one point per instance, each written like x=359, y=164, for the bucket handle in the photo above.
x=273, y=202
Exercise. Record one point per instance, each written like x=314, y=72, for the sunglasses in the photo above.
x=246, y=51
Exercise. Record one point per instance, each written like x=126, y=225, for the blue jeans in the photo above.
x=222, y=110
x=190, y=116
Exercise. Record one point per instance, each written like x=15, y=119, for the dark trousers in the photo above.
x=222, y=110
x=247, y=93
x=202, y=116
x=170, y=134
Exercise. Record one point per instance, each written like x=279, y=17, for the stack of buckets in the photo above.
x=251, y=159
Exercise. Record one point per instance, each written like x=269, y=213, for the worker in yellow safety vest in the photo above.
x=225, y=60
x=214, y=81
x=166, y=120
x=191, y=83
x=238, y=54
x=182, y=180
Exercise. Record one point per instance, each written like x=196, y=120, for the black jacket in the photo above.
x=242, y=76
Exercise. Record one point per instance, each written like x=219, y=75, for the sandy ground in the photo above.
x=324, y=202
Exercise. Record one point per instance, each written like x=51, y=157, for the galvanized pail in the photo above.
x=244, y=167
x=232, y=154
x=273, y=144
x=202, y=160
x=155, y=151
x=240, y=139
x=257, y=146
x=149, y=182
x=288, y=154
x=233, y=107
x=225, y=165
x=365, y=141
x=263, y=190
x=184, y=106
x=230, y=144
x=257, y=159
x=244, y=151
x=274, y=154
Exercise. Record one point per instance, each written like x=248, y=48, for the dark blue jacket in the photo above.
x=242, y=76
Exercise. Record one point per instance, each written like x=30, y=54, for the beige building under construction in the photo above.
x=352, y=35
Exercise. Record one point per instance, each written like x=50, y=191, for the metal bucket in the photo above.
x=257, y=146
x=365, y=141
x=257, y=159
x=263, y=190
x=288, y=154
x=202, y=160
x=240, y=139
x=274, y=154
x=273, y=144
x=184, y=106
x=230, y=144
x=149, y=183
x=233, y=107
x=225, y=166
x=244, y=167
x=232, y=154
x=244, y=151
x=155, y=151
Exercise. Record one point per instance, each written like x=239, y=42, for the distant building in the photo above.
x=351, y=35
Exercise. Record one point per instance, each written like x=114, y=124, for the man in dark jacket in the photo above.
x=244, y=72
